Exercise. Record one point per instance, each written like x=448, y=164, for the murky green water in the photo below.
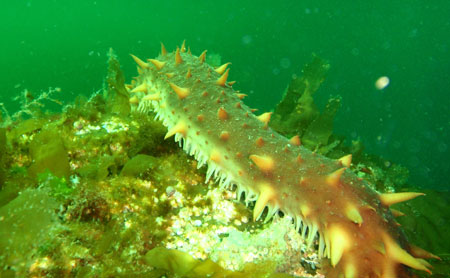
x=54, y=44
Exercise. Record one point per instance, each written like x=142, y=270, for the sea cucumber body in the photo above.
x=353, y=228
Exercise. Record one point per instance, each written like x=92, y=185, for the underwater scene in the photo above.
x=225, y=139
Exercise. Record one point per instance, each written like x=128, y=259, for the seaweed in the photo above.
x=3, y=150
x=116, y=93
x=57, y=187
x=296, y=111
x=297, y=114
x=138, y=165
x=180, y=264
x=28, y=221
x=320, y=129
x=48, y=152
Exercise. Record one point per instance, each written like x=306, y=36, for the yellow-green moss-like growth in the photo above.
x=48, y=152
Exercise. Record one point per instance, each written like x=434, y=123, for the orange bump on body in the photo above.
x=396, y=213
x=266, y=194
x=163, y=50
x=141, y=63
x=334, y=178
x=155, y=96
x=420, y=253
x=265, y=118
x=264, y=163
x=224, y=136
x=188, y=74
x=346, y=161
x=339, y=241
x=259, y=142
x=181, y=92
x=222, y=114
x=398, y=254
x=134, y=100
x=393, y=198
x=303, y=181
x=178, y=59
x=183, y=46
x=215, y=156
x=220, y=70
x=295, y=140
x=180, y=127
x=202, y=57
x=158, y=64
x=141, y=88
x=241, y=96
x=221, y=81
x=305, y=210
x=353, y=214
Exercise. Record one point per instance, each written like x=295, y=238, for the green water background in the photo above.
x=64, y=44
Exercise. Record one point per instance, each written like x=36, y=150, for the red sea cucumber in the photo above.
x=352, y=223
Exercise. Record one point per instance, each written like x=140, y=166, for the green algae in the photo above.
x=58, y=187
x=424, y=226
x=26, y=127
x=99, y=168
x=48, y=152
x=28, y=221
x=138, y=165
x=297, y=110
x=180, y=264
x=116, y=93
x=319, y=131
x=3, y=150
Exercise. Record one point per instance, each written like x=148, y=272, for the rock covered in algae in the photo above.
x=26, y=223
x=48, y=152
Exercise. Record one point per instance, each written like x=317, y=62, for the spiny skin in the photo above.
x=354, y=228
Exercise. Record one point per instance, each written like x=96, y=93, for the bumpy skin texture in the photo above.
x=355, y=230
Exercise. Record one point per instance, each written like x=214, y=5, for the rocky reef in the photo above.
x=93, y=190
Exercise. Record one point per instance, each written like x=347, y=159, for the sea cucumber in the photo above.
x=351, y=222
